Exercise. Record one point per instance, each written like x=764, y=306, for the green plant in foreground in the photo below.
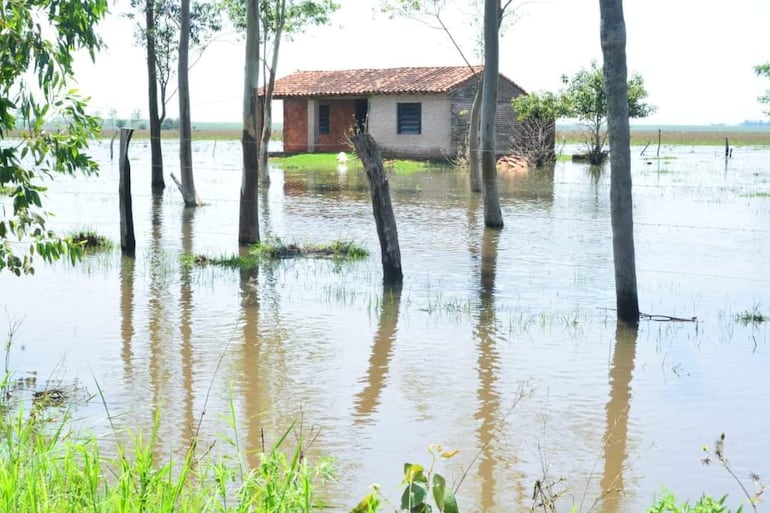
x=46, y=466
x=706, y=504
x=718, y=457
x=419, y=486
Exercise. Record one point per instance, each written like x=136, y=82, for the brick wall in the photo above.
x=295, y=126
x=507, y=126
x=342, y=116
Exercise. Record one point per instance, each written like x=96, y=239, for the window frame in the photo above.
x=409, y=118
x=324, y=119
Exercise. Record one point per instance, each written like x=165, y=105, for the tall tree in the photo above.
x=185, y=124
x=279, y=19
x=158, y=32
x=248, y=223
x=493, y=215
x=613, y=41
x=586, y=95
x=39, y=39
x=763, y=70
x=156, y=118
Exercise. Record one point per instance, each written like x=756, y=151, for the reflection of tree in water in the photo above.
x=185, y=324
x=127, y=265
x=532, y=185
x=488, y=366
x=616, y=434
x=368, y=399
x=157, y=300
x=263, y=377
x=255, y=388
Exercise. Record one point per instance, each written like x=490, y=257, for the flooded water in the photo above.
x=501, y=345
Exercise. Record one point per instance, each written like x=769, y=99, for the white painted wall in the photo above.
x=435, y=139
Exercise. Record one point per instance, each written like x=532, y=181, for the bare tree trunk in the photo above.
x=493, y=216
x=267, y=113
x=474, y=165
x=248, y=222
x=158, y=183
x=613, y=38
x=185, y=129
x=369, y=153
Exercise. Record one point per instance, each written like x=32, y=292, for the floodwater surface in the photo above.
x=502, y=345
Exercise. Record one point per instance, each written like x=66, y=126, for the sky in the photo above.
x=696, y=56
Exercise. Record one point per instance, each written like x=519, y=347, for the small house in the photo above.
x=410, y=112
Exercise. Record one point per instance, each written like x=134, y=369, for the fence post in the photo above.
x=370, y=156
x=127, y=240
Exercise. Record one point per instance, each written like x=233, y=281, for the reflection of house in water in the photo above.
x=534, y=184
x=411, y=112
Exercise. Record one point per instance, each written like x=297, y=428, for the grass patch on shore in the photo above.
x=680, y=137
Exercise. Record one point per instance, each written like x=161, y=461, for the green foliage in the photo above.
x=36, y=66
x=291, y=17
x=45, y=466
x=546, y=106
x=667, y=503
x=586, y=100
x=205, y=21
x=763, y=70
x=420, y=486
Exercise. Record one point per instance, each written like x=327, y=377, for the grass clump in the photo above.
x=276, y=250
x=753, y=316
x=90, y=241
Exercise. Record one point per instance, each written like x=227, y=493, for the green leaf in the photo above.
x=369, y=504
x=413, y=497
x=445, y=499
x=414, y=472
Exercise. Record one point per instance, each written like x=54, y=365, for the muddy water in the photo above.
x=501, y=345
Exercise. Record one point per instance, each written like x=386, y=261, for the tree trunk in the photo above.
x=493, y=216
x=474, y=165
x=267, y=113
x=158, y=183
x=185, y=129
x=248, y=220
x=369, y=153
x=613, y=38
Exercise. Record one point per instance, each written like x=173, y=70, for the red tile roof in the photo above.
x=358, y=82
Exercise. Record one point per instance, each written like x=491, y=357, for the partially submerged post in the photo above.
x=369, y=153
x=127, y=240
